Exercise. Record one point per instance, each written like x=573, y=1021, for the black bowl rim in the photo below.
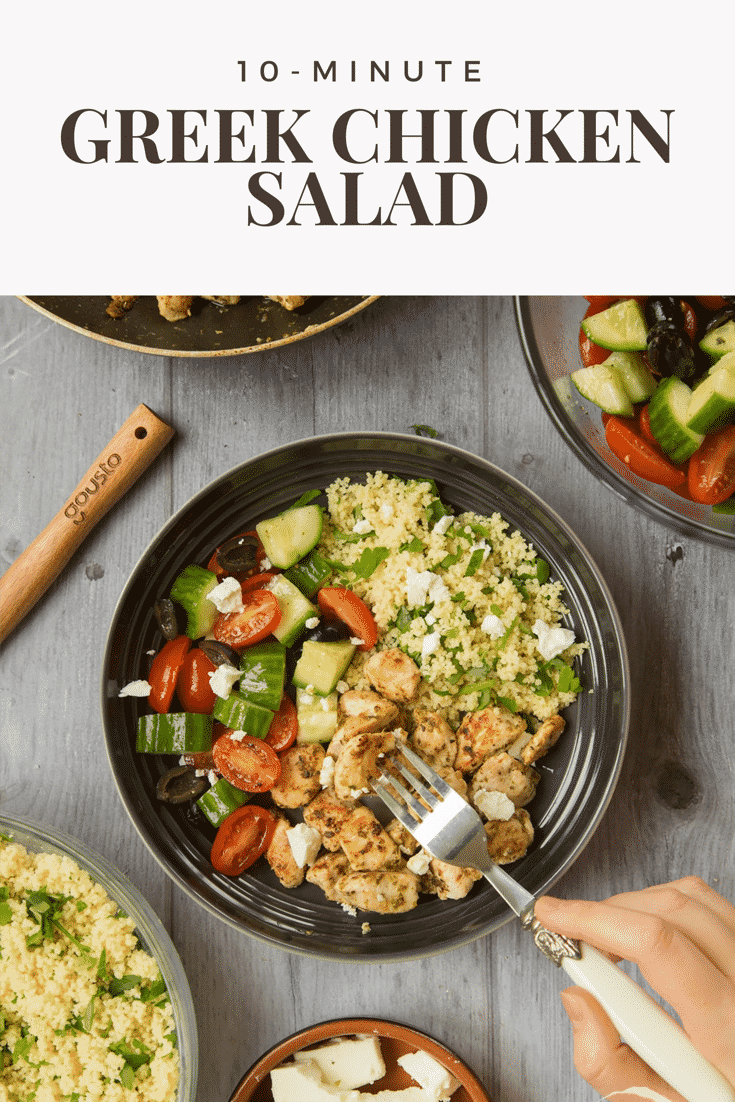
x=622, y=655
x=625, y=490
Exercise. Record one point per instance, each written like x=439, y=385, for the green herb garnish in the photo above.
x=369, y=561
x=476, y=559
x=413, y=545
x=425, y=430
x=305, y=499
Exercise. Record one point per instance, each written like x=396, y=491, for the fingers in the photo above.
x=601, y=1059
x=696, y=910
x=703, y=997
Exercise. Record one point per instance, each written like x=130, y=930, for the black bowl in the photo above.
x=580, y=772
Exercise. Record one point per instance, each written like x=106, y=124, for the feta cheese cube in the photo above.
x=347, y=1062
x=227, y=596
x=362, y=527
x=222, y=679
x=303, y=1081
x=432, y=1076
x=385, y=512
x=430, y=643
x=493, y=626
x=312, y=622
x=326, y=773
x=494, y=805
x=443, y=524
x=305, y=843
x=551, y=641
x=419, y=863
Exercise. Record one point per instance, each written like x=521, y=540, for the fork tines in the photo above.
x=430, y=800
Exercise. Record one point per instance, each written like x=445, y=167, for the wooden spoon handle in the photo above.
x=118, y=466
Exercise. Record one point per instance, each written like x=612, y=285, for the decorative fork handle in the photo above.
x=638, y=1018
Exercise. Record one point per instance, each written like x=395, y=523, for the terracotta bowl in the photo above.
x=395, y=1041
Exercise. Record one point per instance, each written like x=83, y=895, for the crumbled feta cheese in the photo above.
x=551, y=641
x=419, y=863
x=312, y=622
x=265, y=563
x=182, y=760
x=309, y=689
x=326, y=773
x=385, y=512
x=493, y=626
x=481, y=546
x=430, y=643
x=366, y=928
x=305, y=842
x=362, y=527
x=200, y=772
x=495, y=805
x=430, y=618
x=223, y=678
x=135, y=688
x=306, y=698
x=150, y=653
x=423, y=586
x=443, y=524
x=326, y=707
x=438, y=592
x=342, y=687
x=237, y=736
x=356, y=793
x=212, y=777
x=356, y=642
x=350, y=910
x=227, y=596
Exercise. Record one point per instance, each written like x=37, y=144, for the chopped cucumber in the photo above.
x=718, y=342
x=604, y=387
x=263, y=673
x=239, y=713
x=310, y=574
x=725, y=508
x=713, y=402
x=317, y=716
x=621, y=327
x=638, y=381
x=321, y=666
x=174, y=733
x=295, y=610
x=668, y=414
x=190, y=590
x=290, y=536
x=221, y=800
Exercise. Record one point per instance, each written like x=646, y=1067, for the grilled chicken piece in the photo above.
x=119, y=304
x=328, y=814
x=434, y=739
x=174, y=307
x=365, y=842
x=362, y=724
x=327, y=872
x=483, y=733
x=299, y=780
x=388, y=891
x=358, y=762
x=393, y=674
x=502, y=773
x=448, y=881
x=508, y=839
x=281, y=859
x=404, y=840
x=546, y=737
x=223, y=300
x=370, y=705
x=291, y=302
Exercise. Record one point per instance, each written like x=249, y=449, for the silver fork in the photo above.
x=452, y=831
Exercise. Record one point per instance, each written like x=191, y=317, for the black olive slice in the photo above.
x=670, y=352
x=180, y=784
x=721, y=318
x=166, y=618
x=238, y=554
x=664, y=310
x=220, y=653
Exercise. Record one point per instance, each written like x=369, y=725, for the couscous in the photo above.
x=84, y=1013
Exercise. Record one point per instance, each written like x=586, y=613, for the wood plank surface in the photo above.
x=452, y=363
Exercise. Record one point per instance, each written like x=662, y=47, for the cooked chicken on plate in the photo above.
x=178, y=307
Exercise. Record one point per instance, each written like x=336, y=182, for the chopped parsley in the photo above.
x=369, y=561
x=543, y=570
x=305, y=499
x=425, y=430
x=413, y=545
x=476, y=559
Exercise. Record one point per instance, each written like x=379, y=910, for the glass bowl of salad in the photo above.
x=37, y=838
x=579, y=774
x=676, y=357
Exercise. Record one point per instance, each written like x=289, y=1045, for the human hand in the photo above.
x=682, y=937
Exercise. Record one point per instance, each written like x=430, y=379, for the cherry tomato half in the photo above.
x=248, y=763
x=192, y=688
x=712, y=302
x=712, y=468
x=165, y=671
x=284, y=726
x=337, y=603
x=243, y=837
x=589, y=352
x=259, y=617
x=204, y=759
x=257, y=581
x=639, y=456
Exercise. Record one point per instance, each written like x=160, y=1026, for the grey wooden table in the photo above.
x=455, y=364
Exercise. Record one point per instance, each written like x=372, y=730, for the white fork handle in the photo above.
x=647, y=1028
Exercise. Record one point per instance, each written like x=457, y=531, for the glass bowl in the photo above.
x=579, y=774
x=549, y=332
x=148, y=927
x=395, y=1040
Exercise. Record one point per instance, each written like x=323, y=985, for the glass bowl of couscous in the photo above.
x=94, y=1001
